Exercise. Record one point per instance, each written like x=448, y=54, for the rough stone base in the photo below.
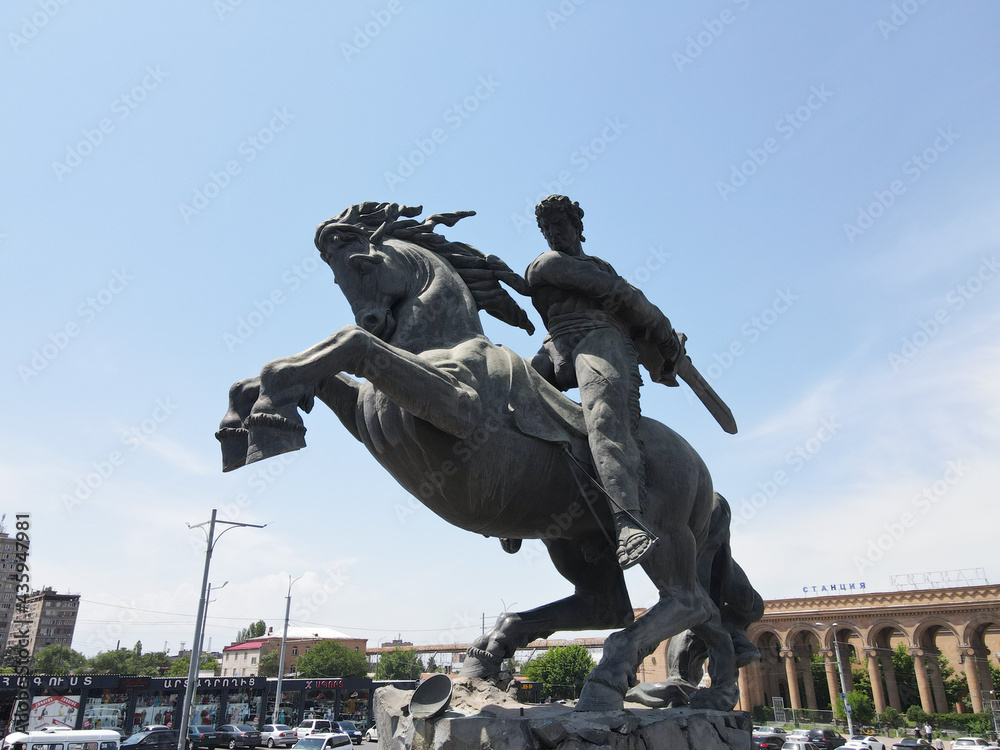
x=484, y=717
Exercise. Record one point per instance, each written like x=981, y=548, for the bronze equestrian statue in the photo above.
x=508, y=454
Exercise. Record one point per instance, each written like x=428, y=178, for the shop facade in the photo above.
x=129, y=703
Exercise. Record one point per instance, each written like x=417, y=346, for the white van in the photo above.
x=65, y=739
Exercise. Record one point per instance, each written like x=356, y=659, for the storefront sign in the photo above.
x=206, y=683
x=323, y=684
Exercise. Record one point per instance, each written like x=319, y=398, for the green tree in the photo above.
x=432, y=665
x=561, y=670
x=862, y=708
x=111, y=662
x=906, y=676
x=251, y=631
x=512, y=665
x=153, y=664
x=399, y=664
x=57, y=659
x=956, y=689
x=179, y=667
x=916, y=715
x=269, y=664
x=890, y=718
x=332, y=659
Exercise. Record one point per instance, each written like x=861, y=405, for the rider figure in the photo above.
x=593, y=317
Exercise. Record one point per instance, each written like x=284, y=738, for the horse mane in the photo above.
x=480, y=272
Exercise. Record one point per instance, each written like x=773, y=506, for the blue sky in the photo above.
x=808, y=191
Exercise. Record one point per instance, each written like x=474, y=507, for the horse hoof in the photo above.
x=272, y=435
x=716, y=699
x=235, y=441
x=660, y=694
x=596, y=696
x=480, y=663
x=745, y=652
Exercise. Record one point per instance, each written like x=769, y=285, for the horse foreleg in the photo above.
x=233, y=436
x=291, y=383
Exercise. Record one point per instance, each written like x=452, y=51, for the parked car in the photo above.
x=769, y=741
x=323, y=741
x=278, y=735
x=238, y=735
x=981, y=744
x=350, y=729
x=826, y=739
x=312, y=726
x=157, y=739
x=372, y=734
x=908, y=743
x=769, y=730
x=202, y=736
x=798, y=745
x=864, y=742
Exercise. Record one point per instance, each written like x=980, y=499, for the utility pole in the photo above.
x=199, y=625
x=843, y=684
x=281, y=658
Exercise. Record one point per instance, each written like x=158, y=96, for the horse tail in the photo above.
x=722, y=576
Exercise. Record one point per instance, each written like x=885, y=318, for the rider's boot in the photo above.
x=634, y=541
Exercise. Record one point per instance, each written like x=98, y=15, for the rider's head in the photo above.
x=561, y=222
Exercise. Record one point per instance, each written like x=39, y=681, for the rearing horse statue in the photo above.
x=473, y=432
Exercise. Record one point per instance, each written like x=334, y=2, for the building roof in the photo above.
x=304, y=633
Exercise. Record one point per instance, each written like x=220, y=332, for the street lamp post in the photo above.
x=281, y=657
x=843, y=683
x=199, y=625
x=209, y=600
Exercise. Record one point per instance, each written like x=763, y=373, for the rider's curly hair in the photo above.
x=480, y=272
x=555, y=205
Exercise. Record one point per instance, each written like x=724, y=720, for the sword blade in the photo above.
x=706, y=394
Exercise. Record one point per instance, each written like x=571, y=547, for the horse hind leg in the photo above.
x=678, y=609
x=600, y=601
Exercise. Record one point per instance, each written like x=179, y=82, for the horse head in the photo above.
x=402, y=278
x=373, y=278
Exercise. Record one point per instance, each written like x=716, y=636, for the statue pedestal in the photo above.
x=483, y=716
